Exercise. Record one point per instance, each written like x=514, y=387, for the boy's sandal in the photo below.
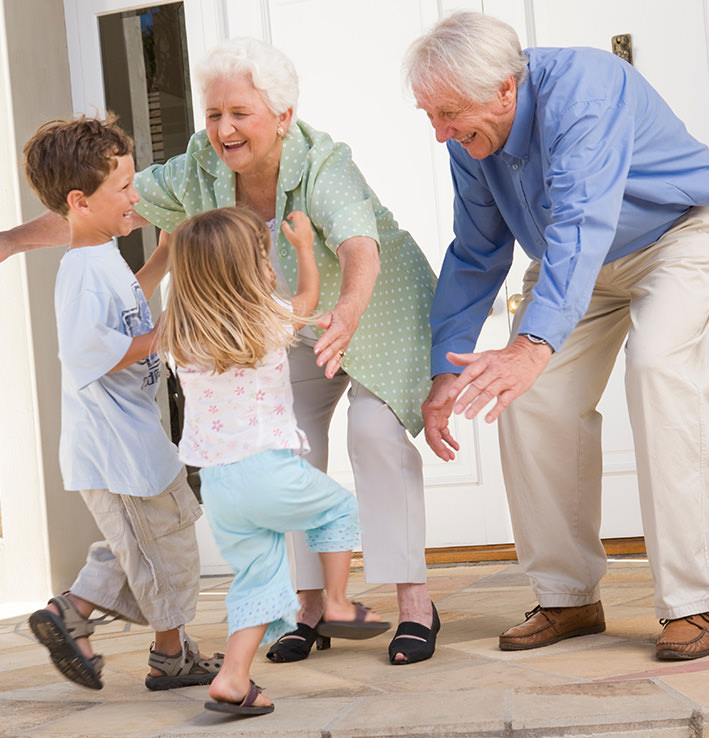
x=296, y=644
x=184, y=669
x=59, y=633
x=245, y=707
x=356, y=629
x=415, y=641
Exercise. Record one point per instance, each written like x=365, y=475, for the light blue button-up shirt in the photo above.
x=596, y=166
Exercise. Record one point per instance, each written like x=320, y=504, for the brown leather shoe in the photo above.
x=684, y=638
x=546, y=625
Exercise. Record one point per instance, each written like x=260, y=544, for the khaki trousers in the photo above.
x=387, y=472
x=147, y=569
x=551, y=436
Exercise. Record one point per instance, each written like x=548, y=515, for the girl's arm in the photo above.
x=300, y=235
x=155, y=268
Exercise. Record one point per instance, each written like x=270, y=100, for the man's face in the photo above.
x=481, y=128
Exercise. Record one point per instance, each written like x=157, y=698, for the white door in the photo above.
x=669, y=45
x=348, y=56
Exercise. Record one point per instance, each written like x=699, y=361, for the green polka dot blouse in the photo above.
x=389, y=353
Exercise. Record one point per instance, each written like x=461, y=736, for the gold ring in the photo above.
x=341, y=353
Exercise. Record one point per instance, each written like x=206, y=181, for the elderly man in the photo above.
x=574, y=155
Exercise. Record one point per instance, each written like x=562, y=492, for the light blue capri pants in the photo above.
x=250, y=505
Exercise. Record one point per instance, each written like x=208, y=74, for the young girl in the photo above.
x=228, y=334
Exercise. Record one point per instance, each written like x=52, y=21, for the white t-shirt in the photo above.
x=238, y=413
x=111, y=437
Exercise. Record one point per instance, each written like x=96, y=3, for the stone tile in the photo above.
x=291, y=719
x=692, y=684
x=599, y=663
x=133, y=720
x=22, y=716
x=640, y=705
x=471, y=675
x=431, y=713
x=301, y=679
x=576, y=687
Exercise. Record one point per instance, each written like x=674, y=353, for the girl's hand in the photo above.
x=298, y=231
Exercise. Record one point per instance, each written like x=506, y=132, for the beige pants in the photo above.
x=551, y=436
x=387, y=471
x=147, y=569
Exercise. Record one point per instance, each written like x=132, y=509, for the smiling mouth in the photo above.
x=467, y=139
x=232, y=145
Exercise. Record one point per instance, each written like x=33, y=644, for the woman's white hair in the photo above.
x=467, y=53
x=271, y=72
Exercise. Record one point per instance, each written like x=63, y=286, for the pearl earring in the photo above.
x=280, y=131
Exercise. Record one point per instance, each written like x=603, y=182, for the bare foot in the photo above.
x=224, y=689
x=346, y=611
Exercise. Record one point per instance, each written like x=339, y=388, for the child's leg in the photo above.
x=336, y=572
x=233, y=682
x=147, y=571
x=240, y=519
x=84, y=608
x=64, y=628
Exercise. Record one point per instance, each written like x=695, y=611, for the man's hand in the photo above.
x=503, y=374
x=437, y=409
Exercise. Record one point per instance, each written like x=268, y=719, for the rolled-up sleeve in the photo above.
x=160, y=187
x=338, y=199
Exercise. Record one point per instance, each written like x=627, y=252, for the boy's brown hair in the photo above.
x=79, y=154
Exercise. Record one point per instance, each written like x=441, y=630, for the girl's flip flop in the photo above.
x=356, y=629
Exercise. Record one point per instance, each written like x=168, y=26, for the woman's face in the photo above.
x=241, y=127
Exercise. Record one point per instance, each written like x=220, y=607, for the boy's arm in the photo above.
x=140, y=348
x=155, y=268
x=49, y=229
x=300, y=235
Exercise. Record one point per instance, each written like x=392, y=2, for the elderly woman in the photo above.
x=372, y=337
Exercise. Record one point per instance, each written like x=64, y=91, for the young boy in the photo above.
x=113, y=449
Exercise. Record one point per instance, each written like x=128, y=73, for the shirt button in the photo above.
x=515, y=166
x=284, y=252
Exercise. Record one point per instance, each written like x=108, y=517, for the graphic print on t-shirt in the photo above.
x=137, y=322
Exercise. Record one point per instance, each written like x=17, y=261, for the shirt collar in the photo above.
x=517, y=144
x=295, y=151
x=293, y=157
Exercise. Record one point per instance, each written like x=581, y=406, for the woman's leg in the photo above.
x=314, y=400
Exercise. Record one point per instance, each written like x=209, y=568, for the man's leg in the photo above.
x=550, y=441
x=667, y=382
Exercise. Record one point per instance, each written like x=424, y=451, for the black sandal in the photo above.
x=296, y=645
x=415, y=641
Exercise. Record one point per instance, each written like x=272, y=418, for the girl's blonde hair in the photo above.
x=221, y=310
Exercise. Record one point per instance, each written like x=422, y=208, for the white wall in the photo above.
x=45, y=530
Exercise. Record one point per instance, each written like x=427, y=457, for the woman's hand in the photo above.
x=436, y=411
x=359, y=260
x=339, y=325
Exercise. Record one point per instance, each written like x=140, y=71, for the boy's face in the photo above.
x=111, y=205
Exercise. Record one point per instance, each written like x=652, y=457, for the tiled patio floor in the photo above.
x=602, y=685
